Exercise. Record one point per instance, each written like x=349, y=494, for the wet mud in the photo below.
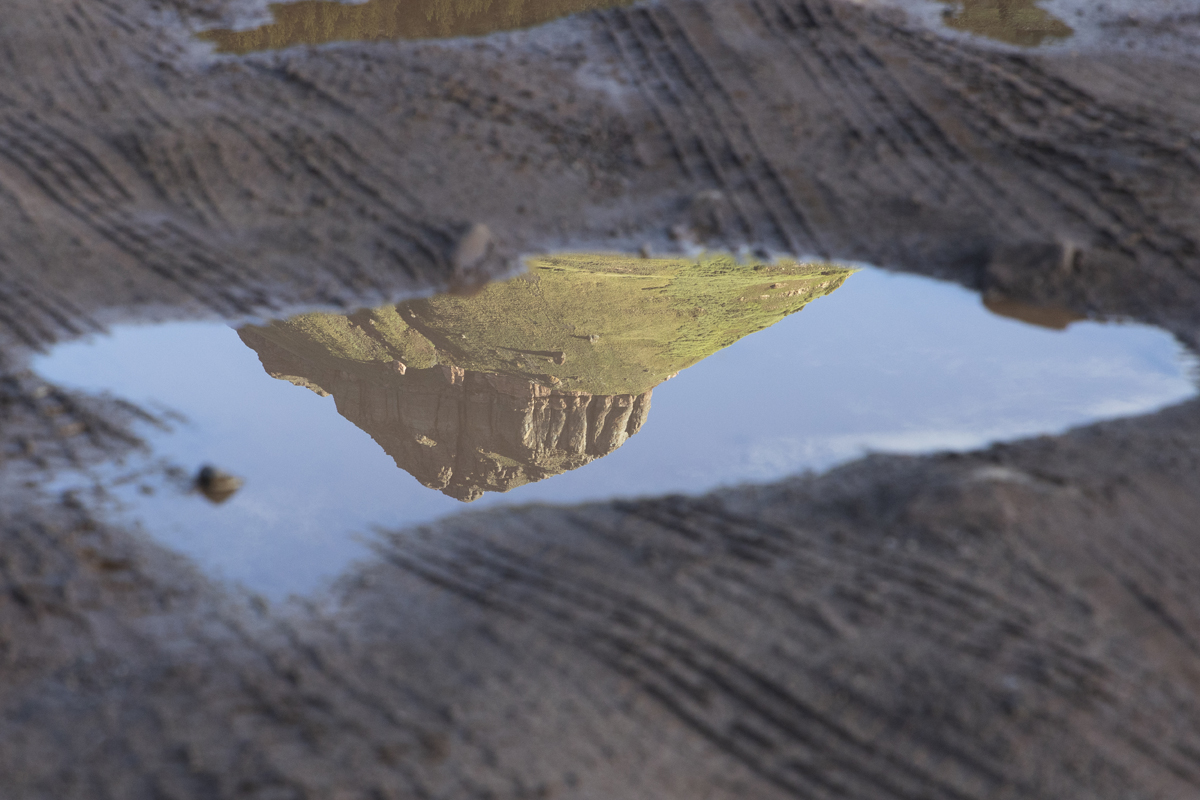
x=1018, y=622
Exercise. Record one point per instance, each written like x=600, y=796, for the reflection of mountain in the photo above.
x=535, y=376
x=318, y=21
x=466, y=433
x=1018, y=22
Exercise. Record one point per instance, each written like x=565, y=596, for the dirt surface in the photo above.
x=1022, y=622
x=141, y=173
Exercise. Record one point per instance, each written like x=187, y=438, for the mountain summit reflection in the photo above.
x=1019, y=22
x=320, y=21
x=535, y=376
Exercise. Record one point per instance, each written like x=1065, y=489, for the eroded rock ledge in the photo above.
x=464, y=432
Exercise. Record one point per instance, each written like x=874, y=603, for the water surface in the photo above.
x=779, y=370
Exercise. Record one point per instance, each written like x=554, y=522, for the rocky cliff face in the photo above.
x=465, y=432
x=533, y=376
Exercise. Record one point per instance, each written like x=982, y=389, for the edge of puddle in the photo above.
x=1190, y=364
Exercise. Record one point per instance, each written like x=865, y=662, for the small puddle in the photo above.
x=1019, y=22
x=589, y=378
x=321, y=21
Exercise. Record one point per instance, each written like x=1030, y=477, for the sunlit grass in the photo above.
x=601, y=324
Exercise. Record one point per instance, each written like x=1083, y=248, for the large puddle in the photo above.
x=321, y=21
x=589, y=378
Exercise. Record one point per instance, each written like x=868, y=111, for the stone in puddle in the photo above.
x=217, y=485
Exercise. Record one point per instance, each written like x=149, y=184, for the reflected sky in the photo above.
x=321, y=21
x=886, y=362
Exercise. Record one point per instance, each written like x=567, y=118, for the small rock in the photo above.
x=400, y=367
x=776, y=285
x=217, y=485
x=472, y=248
x=594, y=338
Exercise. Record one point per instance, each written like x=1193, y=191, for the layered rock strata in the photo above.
x=464, y=432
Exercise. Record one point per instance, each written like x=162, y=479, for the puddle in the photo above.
x=553, y=387
x=1019, y=22
x=321, y=21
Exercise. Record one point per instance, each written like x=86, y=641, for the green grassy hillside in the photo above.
x=601, y=324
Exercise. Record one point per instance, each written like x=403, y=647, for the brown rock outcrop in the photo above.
x=465, y=432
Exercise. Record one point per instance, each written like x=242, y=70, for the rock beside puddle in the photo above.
x=217, y=485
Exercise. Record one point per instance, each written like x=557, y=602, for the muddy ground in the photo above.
x=1022, y=622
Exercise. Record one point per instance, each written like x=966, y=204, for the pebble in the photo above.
x=217, y=485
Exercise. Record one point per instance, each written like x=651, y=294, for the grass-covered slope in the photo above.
x=601, y=324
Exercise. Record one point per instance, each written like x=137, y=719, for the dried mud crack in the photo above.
x=1019, y=622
